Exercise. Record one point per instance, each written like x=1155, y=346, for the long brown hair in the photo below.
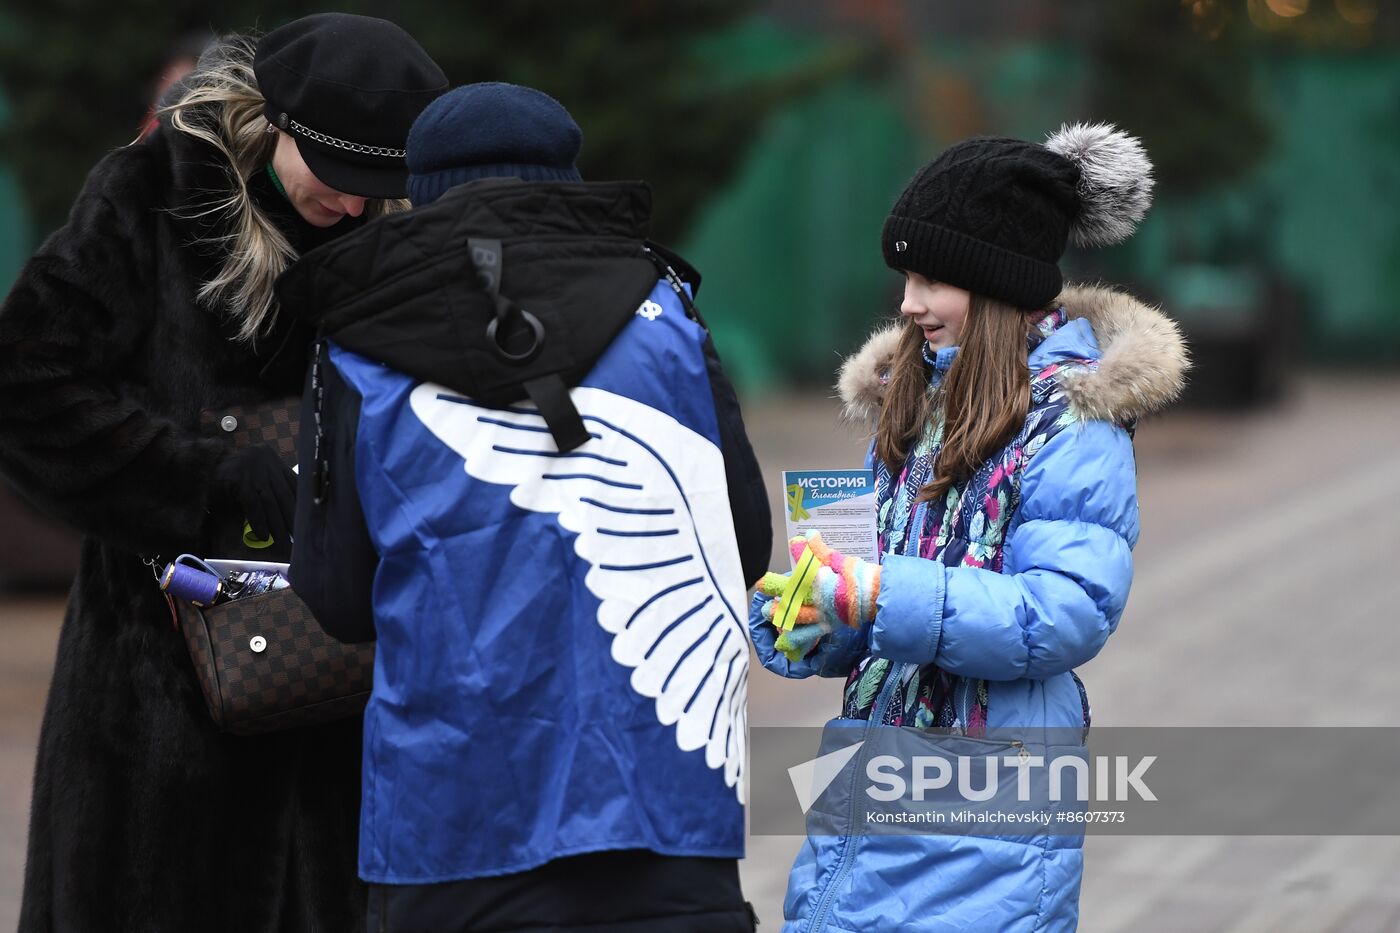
x=982, y=400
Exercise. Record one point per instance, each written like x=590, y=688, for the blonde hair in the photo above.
x=222, y=107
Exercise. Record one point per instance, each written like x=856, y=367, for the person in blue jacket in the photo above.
x=529, y=482
x=1007, y=513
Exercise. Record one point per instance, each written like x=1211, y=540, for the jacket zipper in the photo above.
x=877, y=713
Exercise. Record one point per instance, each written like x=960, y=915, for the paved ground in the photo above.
x=1265, y=595
x=29, y=634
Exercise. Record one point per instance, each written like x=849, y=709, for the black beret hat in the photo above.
x=347, y=88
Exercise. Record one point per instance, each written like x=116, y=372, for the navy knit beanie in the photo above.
x=490, y=130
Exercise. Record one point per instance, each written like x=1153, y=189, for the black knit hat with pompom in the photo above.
x=993, y=215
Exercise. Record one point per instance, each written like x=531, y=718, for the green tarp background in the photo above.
x=790, y=250
x=14, y=227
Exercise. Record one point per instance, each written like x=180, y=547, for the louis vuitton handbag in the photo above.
x=264, y=663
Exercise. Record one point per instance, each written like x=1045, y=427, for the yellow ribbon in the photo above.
x=256, y=544
x=794, y=498
x=799, y=586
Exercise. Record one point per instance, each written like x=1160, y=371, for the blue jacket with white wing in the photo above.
x=562, y=653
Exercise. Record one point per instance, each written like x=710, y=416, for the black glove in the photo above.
x=263, y=486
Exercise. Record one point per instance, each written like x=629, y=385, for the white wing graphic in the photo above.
x=648, y=500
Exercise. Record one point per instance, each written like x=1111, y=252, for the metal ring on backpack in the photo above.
x=535, y=345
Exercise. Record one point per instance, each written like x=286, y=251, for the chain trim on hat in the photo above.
x=287, y=122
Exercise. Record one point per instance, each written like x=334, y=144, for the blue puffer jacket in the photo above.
x=1029, y=584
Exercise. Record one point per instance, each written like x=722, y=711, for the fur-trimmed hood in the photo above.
x=1142, y=360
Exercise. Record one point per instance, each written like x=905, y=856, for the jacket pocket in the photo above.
x=1083, y=701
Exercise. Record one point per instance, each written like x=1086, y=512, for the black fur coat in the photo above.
x=145, y=818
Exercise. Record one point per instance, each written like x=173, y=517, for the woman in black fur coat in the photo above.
x=154, y=304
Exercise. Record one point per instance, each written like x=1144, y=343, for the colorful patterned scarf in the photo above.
x=952, y=531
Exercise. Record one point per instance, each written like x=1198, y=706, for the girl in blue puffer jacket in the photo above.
x=1007, y=511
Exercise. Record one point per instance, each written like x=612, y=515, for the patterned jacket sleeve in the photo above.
x=1067, y=567
x=76, y=437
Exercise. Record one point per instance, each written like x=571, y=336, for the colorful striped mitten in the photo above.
x=844, y=593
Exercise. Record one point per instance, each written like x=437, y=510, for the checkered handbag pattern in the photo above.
x=201, y=653
x=263, y=662
x=273, y=666
x=273, y=423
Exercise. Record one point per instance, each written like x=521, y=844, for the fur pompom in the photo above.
x=864, y=376
x=1115, y=181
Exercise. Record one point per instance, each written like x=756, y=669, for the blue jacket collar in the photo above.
x=941, y=361
x=1073, y=340
x=1054, y=339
